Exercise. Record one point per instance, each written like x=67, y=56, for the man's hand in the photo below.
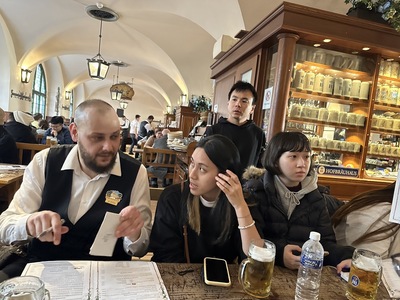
x=131, y=223
x=290, y=260
x=54, y=133
x=42, y=220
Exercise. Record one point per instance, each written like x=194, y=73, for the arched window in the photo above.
x=39, y=91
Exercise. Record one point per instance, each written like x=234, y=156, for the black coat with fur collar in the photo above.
x=310, y=215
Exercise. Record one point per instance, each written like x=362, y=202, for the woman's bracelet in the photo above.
x=247, y=226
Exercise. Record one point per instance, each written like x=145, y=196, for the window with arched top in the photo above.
x=39, y=91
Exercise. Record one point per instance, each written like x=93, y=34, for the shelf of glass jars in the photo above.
x=388, y=79
x=384, y=131
x=333, y=71
x=302, y=120
x=387, y=107
x=339, y=150
x=295, y=93
x=370, y=157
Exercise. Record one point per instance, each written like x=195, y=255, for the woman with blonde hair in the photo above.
x=364, y=223
x=206, y=215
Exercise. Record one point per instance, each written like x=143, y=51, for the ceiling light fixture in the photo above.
x=25, y=75
x=123, y=104
x=97, y=66
x=327, y=40
x=115, y=91
x=121, y=91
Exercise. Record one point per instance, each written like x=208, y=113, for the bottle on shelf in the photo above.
x=309, y=274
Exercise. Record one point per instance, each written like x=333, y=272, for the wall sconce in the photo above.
x=68, y=95
x=25, y=75
x=169, y=110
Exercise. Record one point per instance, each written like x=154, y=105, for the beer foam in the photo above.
x=367, y=264
x=261, y=254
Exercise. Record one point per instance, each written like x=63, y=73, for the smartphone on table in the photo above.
x=216, y=272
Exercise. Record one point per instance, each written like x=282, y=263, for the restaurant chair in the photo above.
x=26, y=151
x=161, y=161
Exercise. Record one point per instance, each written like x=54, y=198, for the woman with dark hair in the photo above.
x=206, y=215
x=364, y=223
x=291, y=203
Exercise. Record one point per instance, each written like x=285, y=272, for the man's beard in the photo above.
x=90, y=161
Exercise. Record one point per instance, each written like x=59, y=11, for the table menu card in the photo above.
x=99, y=279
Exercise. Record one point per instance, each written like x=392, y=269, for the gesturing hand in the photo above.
x=130, y=224
x=42, y=220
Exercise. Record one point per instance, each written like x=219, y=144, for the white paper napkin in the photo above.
x=105, y=240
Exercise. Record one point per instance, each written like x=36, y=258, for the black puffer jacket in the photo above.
x=310, y=215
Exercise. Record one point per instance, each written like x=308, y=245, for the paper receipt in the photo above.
x=105, y=240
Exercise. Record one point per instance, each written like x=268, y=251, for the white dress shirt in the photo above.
x=84, y=194
x=134, y=127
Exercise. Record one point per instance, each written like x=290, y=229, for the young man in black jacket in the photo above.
x=246, y=135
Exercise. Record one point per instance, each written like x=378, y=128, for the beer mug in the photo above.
x=53, y=141
x=23, y=288
x=48, y=140
x=365, y=275
x=255, y=272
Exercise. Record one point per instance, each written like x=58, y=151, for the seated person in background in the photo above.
x=142, y=142
x=8, y=148
x=291, y=203
x=43, y=126
x=70, y=183
x=58, y=130
x=204, y=212
x=18, y=126
x=152, y=138
x=36, y=120
x=160, y=143
x=364, y=223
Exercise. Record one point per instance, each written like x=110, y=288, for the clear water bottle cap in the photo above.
x=315, y=236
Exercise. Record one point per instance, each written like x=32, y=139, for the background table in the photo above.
x=192, y=286
x=10, y=181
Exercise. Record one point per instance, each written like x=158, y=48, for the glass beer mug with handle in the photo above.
x=365, y=275
x=23, y=288
x=255, y=272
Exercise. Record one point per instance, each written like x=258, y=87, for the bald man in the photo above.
x=70, y=183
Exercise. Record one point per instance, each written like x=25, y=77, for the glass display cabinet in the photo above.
x=337, y=82
x=329, y=101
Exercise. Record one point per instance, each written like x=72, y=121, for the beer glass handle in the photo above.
x=46, y=294
x=242, y=268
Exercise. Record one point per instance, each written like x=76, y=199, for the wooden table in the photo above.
x=192, y=286
x=10, y=180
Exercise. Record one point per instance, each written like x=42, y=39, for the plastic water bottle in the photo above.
x=311, y=262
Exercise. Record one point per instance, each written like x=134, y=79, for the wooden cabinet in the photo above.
x=186, y=118
x=168, y=118
x=358, y=131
